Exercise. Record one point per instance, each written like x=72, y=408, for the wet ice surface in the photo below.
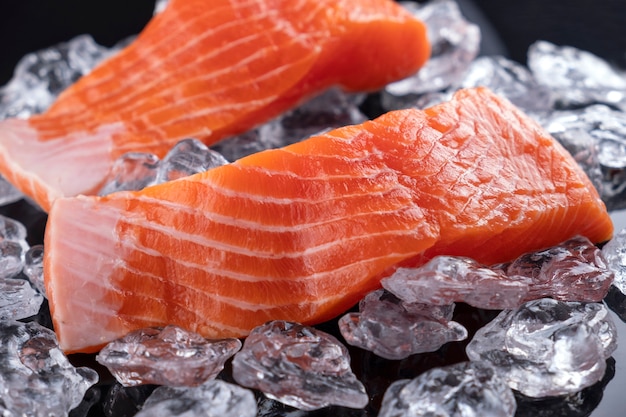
x=168, y=356
x=395, y=330
x=465, y=389
x=299, y=366
x=572, y=271
x=33, y=268
x=36, y=379
x=548, y=347
x=137, y=170
x=41, y=76
x=18, y=299
x=455, y=42
x=214, y=398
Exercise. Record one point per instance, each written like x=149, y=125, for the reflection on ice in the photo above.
x=170, y=356
x=548, y=347
x=299, y=366
x=395, y=330
x=575, y=270
x=36, y=379
x=467, y=389
x=214, y=398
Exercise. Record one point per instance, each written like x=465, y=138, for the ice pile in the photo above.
x=168, y=356
x=468, y=389
x=41, y=76
x=455, y=43
x=547, y=347
x=36, y=379
x=18, y=299
x=572, y=271
x=299, y=366
x=214, y=398
x=393, y=329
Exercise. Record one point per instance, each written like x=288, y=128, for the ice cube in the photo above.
x=187, y=157
x=547, y=347
x=33, y=268
x=395, y=330
x=36, y=379
x=298, y=365
x=168, y=356
x=446, y=279
x=11, y=262
x=18, y=299
x=596, y=137
x=576, y=77
x=214, y=398
x=131, y=171
x=508, y=79
x=575, y=270
x=614, y=253
x=8, y=193
x=455, y=43
x=467, y=389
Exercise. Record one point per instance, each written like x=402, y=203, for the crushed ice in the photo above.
x=299, y=366
x=168, y=356
x=463, y=389
x=547, y=347
x=36, y=379
x=395, y=330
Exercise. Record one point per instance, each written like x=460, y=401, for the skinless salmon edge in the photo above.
x=303, y=232
x=206, y=70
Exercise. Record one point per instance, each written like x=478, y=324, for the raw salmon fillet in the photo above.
x=206, y=69
x=303, y=232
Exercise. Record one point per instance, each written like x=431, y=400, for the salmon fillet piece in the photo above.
x=303, y=232
x=206, y=70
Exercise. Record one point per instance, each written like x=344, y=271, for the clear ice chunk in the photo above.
x=168, y=356
x=33, y=268
x=455, y=43
x=331, y=109
x=465, y=389
x=447, y=279
x=159, y=6
x=214, y=398
x=18, y=299
x=614, y=253
x=574, y=270
x=12, y=230
x=299, y=366
x=131, y=171
x=41, y=76
x=395, y=330
x=548, y=347
x=508, y=79
x=11, y=263
x=576, y=77
x=187, y=157
x=36, y=379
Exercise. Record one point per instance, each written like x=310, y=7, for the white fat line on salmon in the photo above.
x=221, y=271
x=221, y=219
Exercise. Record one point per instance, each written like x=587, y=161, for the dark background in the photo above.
x=594, y=25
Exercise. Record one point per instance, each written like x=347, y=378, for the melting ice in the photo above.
x=299, y=366
x=168, y=356
x=548, y=347
x=395, y=330
x=572, y=271
x=214, y=398
x=467, y=389
x=36, y=379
